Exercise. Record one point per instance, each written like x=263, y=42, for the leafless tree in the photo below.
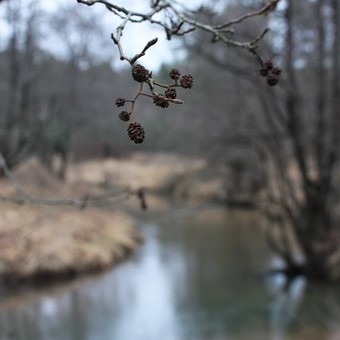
x=77, y=36
x=17, y=124
x=295, y=128
x=304, y=194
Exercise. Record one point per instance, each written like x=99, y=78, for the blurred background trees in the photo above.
x=284, y=139
x=17, y=83
x=47, y=99
x=293, y=129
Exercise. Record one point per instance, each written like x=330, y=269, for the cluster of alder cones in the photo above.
x=271, y=73
x=140, y=74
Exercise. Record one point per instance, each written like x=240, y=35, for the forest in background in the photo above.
x=65, y=106
x=288, y=135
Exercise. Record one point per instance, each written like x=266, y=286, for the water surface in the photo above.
x=199, y=276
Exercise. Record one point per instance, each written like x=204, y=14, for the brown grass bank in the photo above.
x=42, y=243
x=39, y=243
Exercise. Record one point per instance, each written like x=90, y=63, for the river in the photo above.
x=200, y=275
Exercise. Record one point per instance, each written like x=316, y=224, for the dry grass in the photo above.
x=173, y=175
x=46, y=242
x=39, y=242
x=152, y=171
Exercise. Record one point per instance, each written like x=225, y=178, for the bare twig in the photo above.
x=173, y=22
x=265, y=9
x=146, y=47
x=171, y=10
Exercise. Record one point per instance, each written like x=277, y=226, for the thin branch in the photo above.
x=116, y=39
x=218, y=34
x=270, y=6
x=169, y=7
x=141, y=54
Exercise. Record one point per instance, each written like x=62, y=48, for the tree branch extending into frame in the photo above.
x=171, y=11
x=176, y=21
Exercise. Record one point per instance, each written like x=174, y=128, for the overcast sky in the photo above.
x=136, y=35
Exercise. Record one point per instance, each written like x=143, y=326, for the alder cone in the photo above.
x=170, y=93
x=174, y=74
x=124, y=116
x=277, y=71
x=161, y=102
x=272, y=79
x=263, y=72
x=120, y=101
x=140, y=73
x=268, y=64
x=187, y=81
x=136, y=132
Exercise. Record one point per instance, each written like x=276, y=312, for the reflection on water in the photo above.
x=284, y=309
x=149, y=311
x=197, y=277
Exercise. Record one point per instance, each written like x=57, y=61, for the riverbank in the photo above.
x=39, y=243
x=170, y=175
x=49, y=243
